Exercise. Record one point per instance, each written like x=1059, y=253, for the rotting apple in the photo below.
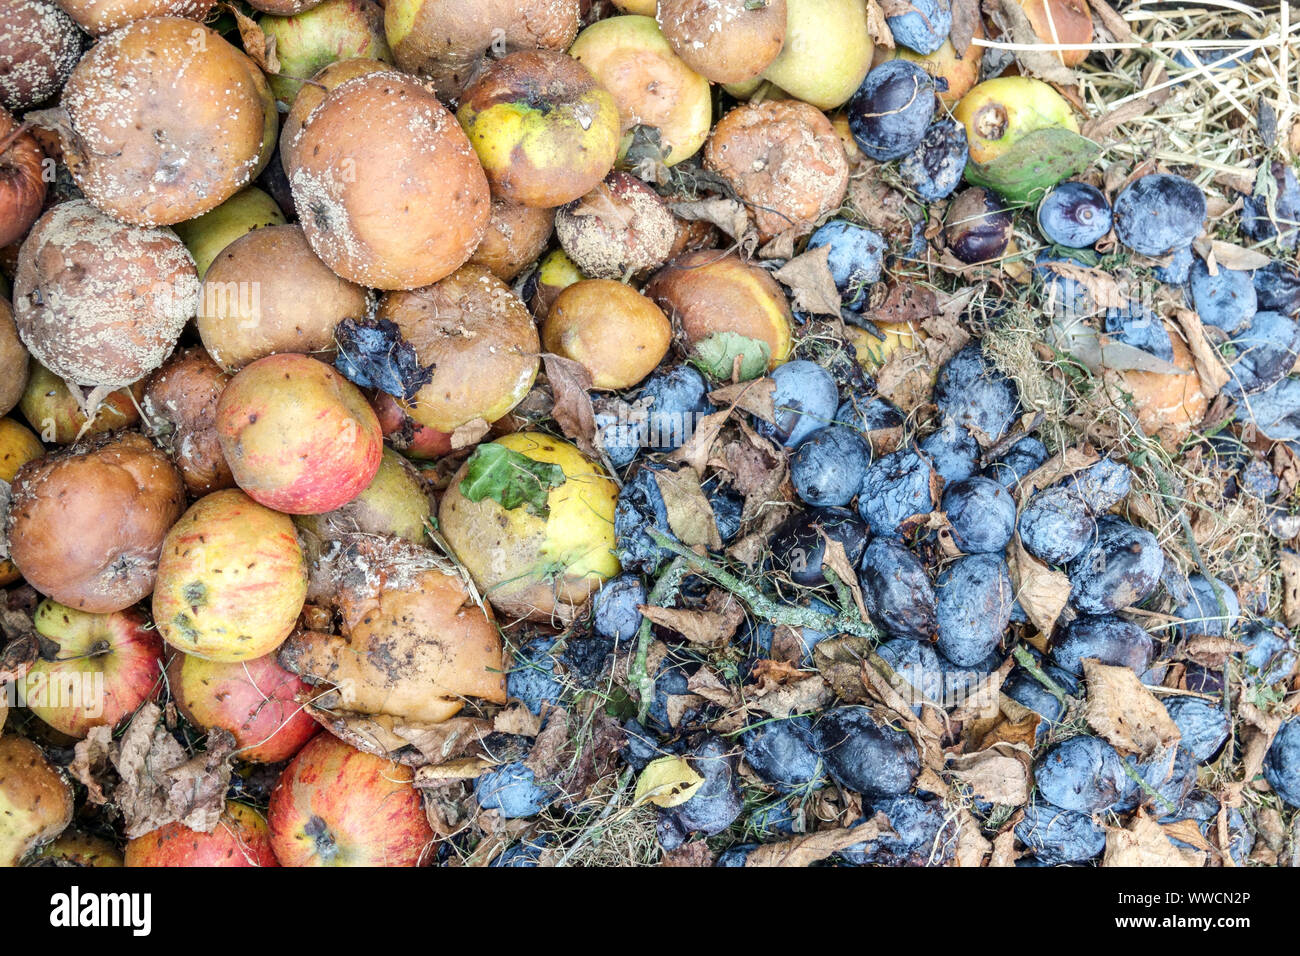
x=22, y=183
x=18, y=446
x=615, y=332
x=39, y=46
x=337, y=806
x=95, y=669
x=726, y=41
x=86, y=522
x=206, y=235
x=180, y=411
x=535, y=565
x=257, y=700
x=544, y=130
x=15, y=361
x=516, y=235
x=480, y=340
x=98, y=17
x=53, y=411
x=650, y=83
x=268, y=293
x=620, y=229
x=35, y=799
x=308, y=41
x=241, y=838
x=351, y=165
x=313, y=94
x=998, y=113
x=720, y=303
x=231, y=579
x=298, y=436
x=827, y=51
x=407, y=435
x=77, y=848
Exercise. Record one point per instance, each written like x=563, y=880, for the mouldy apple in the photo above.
x=35, y=799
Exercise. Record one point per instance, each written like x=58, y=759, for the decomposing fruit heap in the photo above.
x=781, y=419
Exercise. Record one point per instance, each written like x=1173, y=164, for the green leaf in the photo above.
x=1036, y=163
x=716, y=356
x=510, y=479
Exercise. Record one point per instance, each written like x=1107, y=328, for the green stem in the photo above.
x=638, y=675
x=1149, y=790
x=1026, y=660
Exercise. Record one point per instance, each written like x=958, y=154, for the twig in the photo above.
x=638, y=675
x=1149, y=790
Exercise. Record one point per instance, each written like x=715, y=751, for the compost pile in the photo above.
x=711, y=432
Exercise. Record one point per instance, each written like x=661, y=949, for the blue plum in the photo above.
x=864, y=755
x=982, y=515
x=1204, y=726
x=640, y=507
x=512, y=791
x=917, y=664
x=532, y=679
x=1074, y=214
x=1267, y=349
x=799, y=549
x=1282, y=765
x=1138, y=326
x=1158, y=213
x=935, y=168
x=973, y=393
x=1084, y=774
x=677, y=399
x=869, y=414
x=924, y=27
x=1106, y=638
x=1275, y=216
x=953, y=451
x=806, y=400
x=782, y=752
x=975, y=595
x=856, y=256
x=1059, y=836
x=1055, y=526
x=1227, y=300
x=899, y=486
x=716, y=804
x=1019, y=460
x=897, y=591
x=1277, y=288
x=615, y=607
x=891, y=110
x=1211, y=608
x=1270, y=654
x=1120, y=568
x=1101, y=485
x=1275, y=410
x=827, y=467
x=925, y=834
x=1178, y=268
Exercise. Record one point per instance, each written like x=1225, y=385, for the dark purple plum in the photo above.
x=855, y=257
x=1277, y=288
x=1211, y=609
x=533, y=678
x=1204, y=726
x=1282, y=765
x=982, y=515
x=1055, y=526
x=899, y=486
x=1178, y=268
x=865, y=755
x=513, y=791
x=934, y=169
x=977, y=226
x=1119, y=569
x=953, y=451
x=917, y=664
x=1108, y=639
x=1102, y=485
x=1138, y=326
x=717, y=803
x=923, y=27
x=1074, y=214
x=1270, y=654
x=677, y=399
x=1084, y=774
x=1267, y=350
x=1019, y=460
x=973, y=393
x=891, y=110
x=614, y=607
x=1275, y=410
x=897, y=590
x=1159, y=213
x=799, y=549
x=827, y=467
x=806, y=400
x=781, y=752
x=1057, y=836
x=975, y=595
x=1279, y=219
x=1226, y=301
x=925, y=834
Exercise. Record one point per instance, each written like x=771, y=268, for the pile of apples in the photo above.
x=207, y=510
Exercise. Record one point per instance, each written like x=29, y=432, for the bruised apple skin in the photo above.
x=180, y=408
x=298, y=436
x=614, y=331
x=650, y=83
x=526, y=565
x=363, y=169
x=448, y=41
x=516, y=235
x=312, y=94
x=86, y=522
x=98, y=17
x=414, y=644
x=725, y=41
x=337, y=806
x=479, y=338
x=75, y=848
x=35, y=799
x=784, y=160
x=206, y=235
x=545, y=131
x=241, y=838
x=210, y=101
x=119, y=653
x=709, y=292
x=54, y=413
x=22, y=185
x=231, y=579
x=266, y=293
x=405, y=434
x=18, y=446
x=98, y=302
x=39, y=46
x=14, y=361
x=257, y=700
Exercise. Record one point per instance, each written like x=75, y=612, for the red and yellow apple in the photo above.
x=241, y=838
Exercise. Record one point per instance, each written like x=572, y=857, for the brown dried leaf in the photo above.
x=1124, y=712
x=469, y=433
x=878, y=26
x=690, y=516
x=906, y=302
x=89, y=765
x=1226, y=255
x=797, y=697
x=998, y=775
x=696, y=853
x=965, y=21
x=811, y=847
x=1061, y=465
x=706, y=683
x=837, y=559
x=1041, y=590
x=812, y=288
x=1144, y=843
x=946, y=338
x=259, y=46
x=570, y=386
x=754, y=396
x=517, y=719
x=906, y=378
x=1004, y=849
x=706, y=628
x=729, y=215
x=1209, y=365
x=1115, y=25
x=699, y=449
x=1044, y=64
x=1290, y=562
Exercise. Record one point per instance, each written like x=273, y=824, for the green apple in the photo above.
x=309, y=41
x=827, y=51
x=208, y=234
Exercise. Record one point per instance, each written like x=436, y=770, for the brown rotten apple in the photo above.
x=14, y=361
x=543, y=128
x=618, y=230
x=387, y=186
x=784, y=160
x=22, y=185
x=87, y=522
x=166, y=120
x=35, y=799
x=614, y=331
x=725, y=41
x=94, y=669
x=98, y=302
x=256, y=700
x=98, y=17
x=298, y=436
x=18, y=446
x=448, y=41
x=480, y=340
x=76, y=848
x=312, y=94
x=231, y=579
x=337, y=806
x=180, y=407
x=39, y=46
x=516, y=235
x=267, y=292
x=240, y=838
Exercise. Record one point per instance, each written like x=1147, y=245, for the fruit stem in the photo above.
x=1026, y=660
x=638, y=675
x=1149, y=790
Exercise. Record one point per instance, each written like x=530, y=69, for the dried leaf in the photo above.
x=1042, y=591
x=1144, y=843
x=89, y=765
x=1115, y=24
x=908, y=302
x=259, y=46
x=945, y=338
x=1004, y=850
x=690, y=516
x=1209, y=365
x=695, y=854
x=1290, y=562
x=1044, y=64
x=965, y=22
x=517, y=719
x=699, y=449
x=1061, y=465
x=469, y=433
x=706, y=628
x=811, y=847
x=806, y=695
x=729, y=215
x=837, y=559
x=906, y=378
x=571, y=388
x=878, y=26
x=755, y=396
x=1226, y=255
x=998, y=775
x=812, y=288
x=1124, y=712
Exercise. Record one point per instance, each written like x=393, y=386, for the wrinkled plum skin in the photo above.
x=512, y=791
x=975, y=596
x=1141, y=328
x=953, y=451
x=1060, y=836
x=640, y=506
x=982, y=515
x=827, y=467
x=1277, y=288
x=615, y=607
x=924, y=27
x=805, y=399
x=1159, y=213
x=1102, y=485
x=532, y=679
x=1271, y=652
x=1282, y=765
x=1019, y=460
x=895, y=488
x=975, y=394
x=1084, y=774
x=1255, y=219
x=1211, y=608
x=897, y=590
x=782, y=752
x=863, y=756
x=799, y=550
x=1055, y=526
x=1204, y=726
x=1109, y=639
x=716, y=804
x=1266, y=351
x=891, y=110
x=855, y=258
x=679, y=396
x=1121, y=568
x=934, y=169
x=925, y=835
x=1074, y=215
x=1227, y=300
